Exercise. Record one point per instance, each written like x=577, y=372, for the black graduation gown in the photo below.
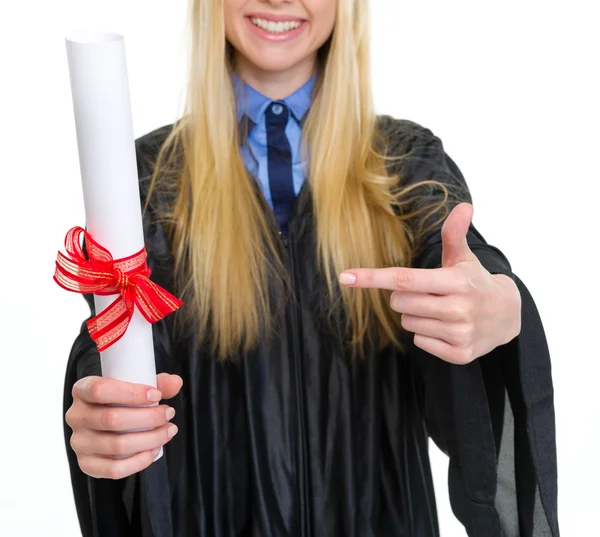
x=300, y=441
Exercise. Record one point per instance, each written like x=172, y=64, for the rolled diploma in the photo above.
x=107, y=159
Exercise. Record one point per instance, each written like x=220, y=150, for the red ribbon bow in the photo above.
x=101, y=275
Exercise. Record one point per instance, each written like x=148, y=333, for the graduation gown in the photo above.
x=298, y=440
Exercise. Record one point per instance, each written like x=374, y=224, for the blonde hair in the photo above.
x=216, y=216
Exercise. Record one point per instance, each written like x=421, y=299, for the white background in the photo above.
x=512, y=90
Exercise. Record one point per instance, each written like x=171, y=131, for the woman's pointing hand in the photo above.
x=458, y=312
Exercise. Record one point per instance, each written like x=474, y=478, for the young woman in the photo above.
x=340, y=308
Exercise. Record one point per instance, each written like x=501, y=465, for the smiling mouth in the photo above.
x=279, y=27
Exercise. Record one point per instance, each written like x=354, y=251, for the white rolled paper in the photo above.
x=106, y=144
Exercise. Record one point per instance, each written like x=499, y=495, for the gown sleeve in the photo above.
x=105, y=507
x=494, y=417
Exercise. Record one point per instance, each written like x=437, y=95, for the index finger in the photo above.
x=439, y=281
x=105, y=390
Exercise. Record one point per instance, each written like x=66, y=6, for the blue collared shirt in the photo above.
x=253, y=103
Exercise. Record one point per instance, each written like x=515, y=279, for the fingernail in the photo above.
x=170, y=413
x=172, y=431
x=347, y=278
x=154, y=395
x=155, y=451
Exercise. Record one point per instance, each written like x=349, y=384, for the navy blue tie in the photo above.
x=279, y=157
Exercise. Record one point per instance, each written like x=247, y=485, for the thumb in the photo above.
x=169, y=385
x=454, y=236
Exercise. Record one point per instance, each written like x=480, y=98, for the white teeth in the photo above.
x=275, y=27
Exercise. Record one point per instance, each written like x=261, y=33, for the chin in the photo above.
x=274, y=61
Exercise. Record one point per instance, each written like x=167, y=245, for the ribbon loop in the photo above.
x=122, y=280
x=127, y=277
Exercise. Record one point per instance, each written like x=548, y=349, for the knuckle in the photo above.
x=83, y=465
x=133, y=391
x=463, y=334
x=80, y=386
x=119, y=445
x=74, y=442
x=456, y=312
x=69, y=416
x=403, y=280
x=115, y=471
x=462, y=355
x=77, y=386
x=96, y=389
x=73, y=416
x=110, y=419
x=462, y=311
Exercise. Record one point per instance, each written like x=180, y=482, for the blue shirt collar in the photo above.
x=253, y=103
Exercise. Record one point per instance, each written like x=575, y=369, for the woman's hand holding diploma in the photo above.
x=96, y=425
x=114, y=267
x=458, y=312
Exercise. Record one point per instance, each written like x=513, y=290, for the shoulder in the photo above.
x=414, y=148
x=147, y=148
x=404, y=136
x=418, y=154
x=148, y=145
x=400, y=127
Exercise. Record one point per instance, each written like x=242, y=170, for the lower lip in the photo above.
x=276, y=38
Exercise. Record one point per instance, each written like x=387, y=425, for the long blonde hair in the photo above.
x=216, y=216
